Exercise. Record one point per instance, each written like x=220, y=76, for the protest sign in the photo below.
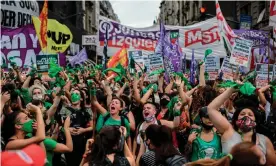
x=212, y=66
x=155, y=63
x=241, y=52
x=43, y=61
x=262, y=74
x=228, y=69
x=138, y=58
x=18, y=13
x=23, y=46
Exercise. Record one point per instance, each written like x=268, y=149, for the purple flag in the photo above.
x=171, y=52
x=79, y=58
x=192, y=70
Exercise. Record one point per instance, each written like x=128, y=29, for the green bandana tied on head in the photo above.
x=75, y=97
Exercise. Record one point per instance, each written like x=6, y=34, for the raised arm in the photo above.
x=108, y=91
x=180, y=88
x=40, y=132
x=261, y=94
x=51, y=112
x=68, y=146
x=121, y=90
x=219, y=121
x=136, y=94
x=96, y=104
x=169, y=86
x=201, y=75
x=146, y=96
x=161, y=83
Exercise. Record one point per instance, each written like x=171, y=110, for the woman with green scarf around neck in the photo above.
x=18, y=125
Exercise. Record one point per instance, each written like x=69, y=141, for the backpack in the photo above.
x=176, y=160
x=123, y=117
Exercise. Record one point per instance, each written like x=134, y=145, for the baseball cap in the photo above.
x=32, y=155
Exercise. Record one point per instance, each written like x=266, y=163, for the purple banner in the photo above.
x=171, y=52
x=259, y=38
x=118, y=34
x=23, y=45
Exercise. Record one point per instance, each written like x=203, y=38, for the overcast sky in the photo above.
x=138, y=13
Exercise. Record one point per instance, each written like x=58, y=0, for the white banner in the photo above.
x=18, y=13
x=262, y=74
x=199, y=36
x=272, y=16
x=241, y=52
x=89, y=40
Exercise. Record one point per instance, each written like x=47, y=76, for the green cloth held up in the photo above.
x=246, y=89
x=156, y=72
x=171, y=104
x=207, y=52
x=187, y=83
x=54, y=69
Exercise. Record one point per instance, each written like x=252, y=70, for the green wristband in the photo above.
x=93, y=92
x=176, y=113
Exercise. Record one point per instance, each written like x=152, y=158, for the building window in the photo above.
x=246, y=9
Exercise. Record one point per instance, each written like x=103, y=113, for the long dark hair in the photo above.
x=249, y=102
x=8, y=127
x=104, y=144
x=161, y=137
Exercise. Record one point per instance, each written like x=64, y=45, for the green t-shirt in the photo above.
x=50, y=145
x=203, y=150
x=111, y=122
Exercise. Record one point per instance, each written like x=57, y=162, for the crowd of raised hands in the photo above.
x=89, y=116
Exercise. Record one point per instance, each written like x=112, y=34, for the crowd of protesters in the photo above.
x=88, y=116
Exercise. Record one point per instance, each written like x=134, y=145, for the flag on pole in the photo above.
x=79, y=58
x=184, y=63
x=58, y=36
x=43, y=26
x=192, y=68
x=119, y=58
x=170, y=52
x=105, y=46
x=224, y=29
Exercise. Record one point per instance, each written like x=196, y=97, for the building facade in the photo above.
x=185, y=13
x=81, y=17
x=258, y=10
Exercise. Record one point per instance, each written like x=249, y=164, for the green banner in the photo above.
x=42, y=61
